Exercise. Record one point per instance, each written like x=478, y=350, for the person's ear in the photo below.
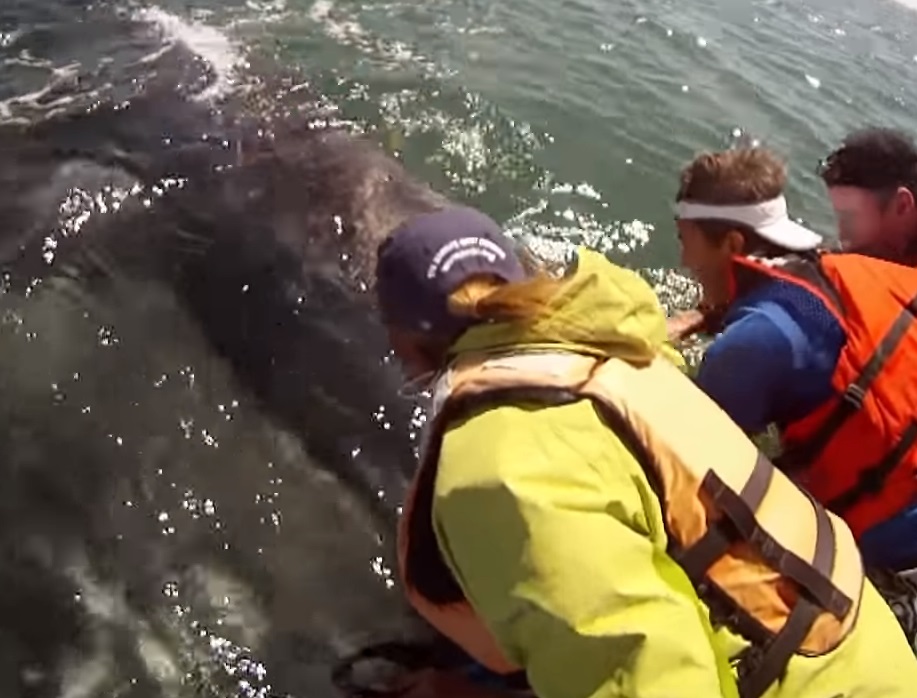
x=903, y=202
x=734, y=243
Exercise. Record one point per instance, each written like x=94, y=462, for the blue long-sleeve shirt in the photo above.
x=773, y=363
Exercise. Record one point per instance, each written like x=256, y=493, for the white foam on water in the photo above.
x=7, y=38
x=222, y=54
x=813, y=81
x=345, y=29
x=570, y=229
x=55, y=95
x=260, y=13
x=336, y=25
x=568, y=216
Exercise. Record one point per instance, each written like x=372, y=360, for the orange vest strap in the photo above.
x=870, y=480
x=803, y=270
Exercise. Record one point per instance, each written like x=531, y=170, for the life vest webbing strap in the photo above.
x=765, y=663
x=758, y=671
x=768, y=666
x=852, y=400
x=814, y=575
x=871, y=480
x=721, y=534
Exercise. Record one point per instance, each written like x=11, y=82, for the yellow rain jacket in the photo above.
x=552, y=531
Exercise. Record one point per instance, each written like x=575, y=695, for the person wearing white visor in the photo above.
x=756, y=224
x=775, y=355
x=786, y=310
x=768, y=219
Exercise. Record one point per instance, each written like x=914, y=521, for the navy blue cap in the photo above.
x=422, y=262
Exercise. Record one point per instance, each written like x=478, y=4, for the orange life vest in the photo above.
x=771, y=564
x=856, y=453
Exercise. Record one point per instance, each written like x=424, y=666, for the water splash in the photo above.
x=222, y=53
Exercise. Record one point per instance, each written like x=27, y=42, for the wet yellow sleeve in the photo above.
x=553, y=533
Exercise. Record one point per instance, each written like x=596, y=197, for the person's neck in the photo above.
x=909, y=257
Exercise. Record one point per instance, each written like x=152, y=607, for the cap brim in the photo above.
x=791, y=235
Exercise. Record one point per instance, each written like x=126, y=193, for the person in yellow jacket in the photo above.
x=583, y=513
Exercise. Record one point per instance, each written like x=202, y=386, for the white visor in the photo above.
x=769, y=219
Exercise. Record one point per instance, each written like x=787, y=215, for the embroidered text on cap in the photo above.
x=463, y=248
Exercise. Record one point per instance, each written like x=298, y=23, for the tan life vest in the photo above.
x=771, y=564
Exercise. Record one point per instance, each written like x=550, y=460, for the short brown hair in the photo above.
x=740, y=176
x=734, y=177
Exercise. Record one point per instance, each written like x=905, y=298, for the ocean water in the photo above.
x=206, y=507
